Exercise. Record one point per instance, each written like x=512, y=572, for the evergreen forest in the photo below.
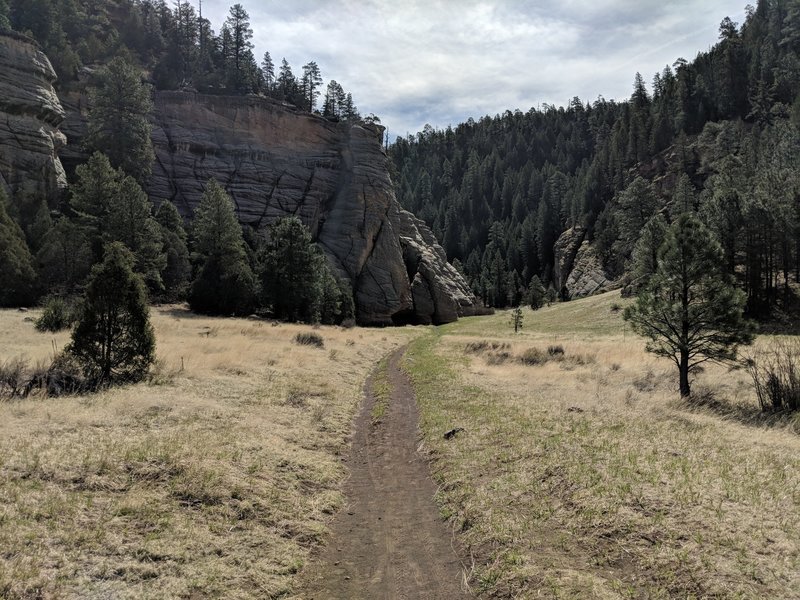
x=175, y=44
x=717, y=135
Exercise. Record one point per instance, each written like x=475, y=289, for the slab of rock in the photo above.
x=565, y=250
x=275, y=160
x=30, y=113
x=587, y=276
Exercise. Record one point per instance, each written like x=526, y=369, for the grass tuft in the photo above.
x=309, y=339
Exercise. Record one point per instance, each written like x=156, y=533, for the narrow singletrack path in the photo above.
x=389, y=542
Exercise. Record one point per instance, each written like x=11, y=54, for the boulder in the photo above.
x=30, y=114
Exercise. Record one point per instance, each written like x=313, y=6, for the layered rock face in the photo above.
x=30, y=113
x=578, y=270
x=275, y=161
x=587, y=276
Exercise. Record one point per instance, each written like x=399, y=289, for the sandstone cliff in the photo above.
x=30, y=113
x=274, y=161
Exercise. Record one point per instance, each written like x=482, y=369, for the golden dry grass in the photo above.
x=214, y=480
x=590, y=478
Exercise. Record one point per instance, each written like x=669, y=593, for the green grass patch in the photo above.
x=594, y=316
x=381, y=390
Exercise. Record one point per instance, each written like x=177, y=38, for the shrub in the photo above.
x=113, y=340
x=65, y=376
x=476, y=347
x=13, y=376
x=533, y=356
x=309, y=339
x=497, y=358
x=58, y=314
x=776, y=375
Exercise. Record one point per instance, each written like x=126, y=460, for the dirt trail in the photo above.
x=389, y=542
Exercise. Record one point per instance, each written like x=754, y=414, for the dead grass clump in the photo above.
x=645, y=382
x=63, y=375
x=13, y=376
x=476, y=347
x=775, y=371
x=482, y=346
x=309, y=339
x=498, y=358
x=296, y=398
x=579, y=360
x=534, y=357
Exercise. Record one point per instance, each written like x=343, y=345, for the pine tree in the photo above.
x=130, y=222
x=536, y=293
x=238, y=24
x=5, y=22
x=287, y=84
x=690, y=311
x=113, y=339
x=113, y=208
x=645, y=252
x=96, y=184
x=292, y=271
x=516, y=318
x=17, y=275
x=119, y=123
x=177, y=271
x=65, y=256
x=268, y=73
x=224, y=283
x=312, y=79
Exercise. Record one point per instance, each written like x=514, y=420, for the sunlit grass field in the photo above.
x=583, y=474
x=215, y=479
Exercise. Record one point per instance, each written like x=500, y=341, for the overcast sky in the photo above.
x=413, y=62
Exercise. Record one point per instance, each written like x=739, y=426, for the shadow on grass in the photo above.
x=751, y=416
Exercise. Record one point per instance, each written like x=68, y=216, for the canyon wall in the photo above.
x=30, y=113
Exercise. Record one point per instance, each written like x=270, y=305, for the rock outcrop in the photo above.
x=30, y=113
x=275, y=160
x=564, y=251
x=587, y=276
x=578, y=270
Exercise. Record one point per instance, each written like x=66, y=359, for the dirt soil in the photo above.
x=389, y=541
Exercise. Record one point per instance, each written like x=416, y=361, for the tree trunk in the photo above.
x=683, y=369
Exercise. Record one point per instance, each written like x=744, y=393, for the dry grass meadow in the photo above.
x=583, y=475
x=215, y=479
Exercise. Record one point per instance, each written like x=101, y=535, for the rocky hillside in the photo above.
x=30, y=114
x=274, y=160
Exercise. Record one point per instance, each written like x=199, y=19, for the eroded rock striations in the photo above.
x=578, y=270
x=274, y=161
x=30, y=114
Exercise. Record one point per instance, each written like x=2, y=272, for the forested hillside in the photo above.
x=717, y=135
x=175, y=44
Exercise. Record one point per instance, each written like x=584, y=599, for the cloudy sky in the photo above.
x=413, y=62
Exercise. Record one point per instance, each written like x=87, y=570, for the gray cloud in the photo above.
x=414, y=62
